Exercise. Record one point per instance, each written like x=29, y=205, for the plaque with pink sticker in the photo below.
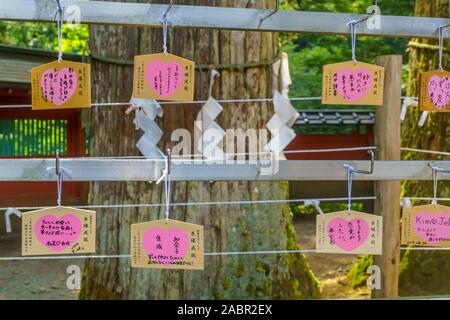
x=434, y=91
x=61, y=85
x=426, y=226
x=351, y=82
x=171, y=245
x=163, y=76
x=56, y=230
x=349, y=232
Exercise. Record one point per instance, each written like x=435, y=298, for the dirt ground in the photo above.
x=46, y=279
x=32, y=279
x=330, y=269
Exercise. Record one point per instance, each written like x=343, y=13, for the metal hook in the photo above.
x=438, y=169
x=168, y=168
x=363, y=19
x=277, y=8
x=438, y=29
x=169, y=161
x=168, y=10
x=59, y=10
x=60, y=7
x=372, y=165
x=57, y=167
x=351, y=172
x=434, y=171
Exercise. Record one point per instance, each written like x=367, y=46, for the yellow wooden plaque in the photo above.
x=61, y=85
x=351, y=82
x=56, y=230
x=349, y=232
x=172, y=245
x=163, y=77
x=426, y=226
x=434, y=91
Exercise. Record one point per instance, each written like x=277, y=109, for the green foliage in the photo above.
x=357, y=274
x=308, y=53
x=423, y=273
x=326, y=207
x=44, y=36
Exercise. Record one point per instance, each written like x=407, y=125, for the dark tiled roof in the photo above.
x=336, y=117
x=16, y=62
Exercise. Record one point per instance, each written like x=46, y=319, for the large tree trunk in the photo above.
x=425, y=272
x=227, y=228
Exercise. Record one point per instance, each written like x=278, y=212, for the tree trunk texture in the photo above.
x=227, y=228
x=425, y=272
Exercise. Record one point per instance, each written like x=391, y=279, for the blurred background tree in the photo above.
x=44, y=36
x=309, y=52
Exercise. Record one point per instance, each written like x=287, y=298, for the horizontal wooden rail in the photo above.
x=150, y=170
x=139, y=14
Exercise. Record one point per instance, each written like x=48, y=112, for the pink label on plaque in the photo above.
x=352, y=85
x=164, y=78
x=166, y=247
x=439, y=91
x=58, y=86
x=432, y=228
x=58, y=233
x=348, y=234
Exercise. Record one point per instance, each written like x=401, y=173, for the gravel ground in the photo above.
x=33, y=279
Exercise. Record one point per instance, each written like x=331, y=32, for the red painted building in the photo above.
x=33, y=134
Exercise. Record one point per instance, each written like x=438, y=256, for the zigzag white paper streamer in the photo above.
x=146, y=112
x=285, y=114
x=209, y=132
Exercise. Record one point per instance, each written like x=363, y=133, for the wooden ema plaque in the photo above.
x=61, y=85
x=172, y=245
x=56, y=230
x=163, y=77
x=426, y=226
x=351, y=82
x=349, y=232
x=434, y=91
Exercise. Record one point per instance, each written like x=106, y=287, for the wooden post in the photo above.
x=387, y=138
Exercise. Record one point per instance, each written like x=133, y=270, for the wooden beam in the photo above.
x=140, y=14
x=97, y=169
x=387, y=137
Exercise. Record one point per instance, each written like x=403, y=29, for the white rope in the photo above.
x=122, y=104
x=427, y=198
x=231, y=253
x=60, y=21
x=125, y=104
x=350, y=175
x=441, y=47
x=332, y=150
x=435, y=186
x=207, y=203
x=352, y=25
x=287, y=152
x=442, y=153
x=181, y=157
